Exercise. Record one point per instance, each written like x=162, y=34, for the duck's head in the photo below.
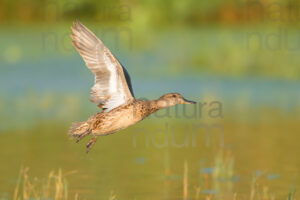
x=172, y=99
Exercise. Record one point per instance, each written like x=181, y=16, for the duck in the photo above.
x=112, y=91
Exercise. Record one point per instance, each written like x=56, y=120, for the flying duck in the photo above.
x=112, y=91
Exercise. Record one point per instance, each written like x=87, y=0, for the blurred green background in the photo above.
x=238, y=59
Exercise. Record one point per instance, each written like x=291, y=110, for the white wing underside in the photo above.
x=110, y=89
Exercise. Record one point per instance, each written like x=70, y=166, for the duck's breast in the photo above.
x=118, y=119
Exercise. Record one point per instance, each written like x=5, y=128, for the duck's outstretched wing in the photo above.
x=112, y=86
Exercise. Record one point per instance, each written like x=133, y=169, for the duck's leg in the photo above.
x=82, y=135
x=90, y=144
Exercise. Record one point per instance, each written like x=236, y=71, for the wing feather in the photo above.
x=112, y=86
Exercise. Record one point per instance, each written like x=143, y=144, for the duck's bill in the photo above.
x=189, y=102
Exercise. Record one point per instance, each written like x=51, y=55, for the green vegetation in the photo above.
x=157, y=13
x=56, y=187
x=233, y=39
x=206, y=170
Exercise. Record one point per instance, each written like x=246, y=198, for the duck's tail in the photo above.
x=79, y=128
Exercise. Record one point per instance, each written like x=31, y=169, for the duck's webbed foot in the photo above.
x=91, y=143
